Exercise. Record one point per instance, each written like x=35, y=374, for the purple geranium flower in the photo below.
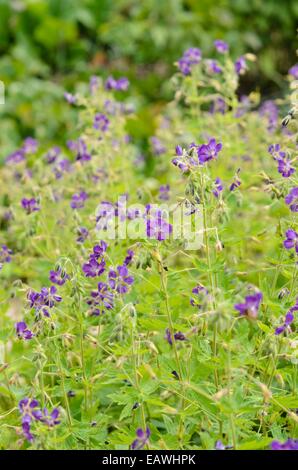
x=285, y=168
x=164, y=192
x=218, y=187
x=101, y=300
x=251, y=305
x=120, y=280
x=101, y=122
x=30, y=205
x=292, y=199
x=30, y=145
x=157, y=145
x=209, y=151
x=5, y=255
x=190, y=57
x=237, y=182
x=78, y=200
x=58, y=276
x=29, y=409
x=22, y=331
x=120, y=85
x=289, y=444
x=221, y=46
x=93, y=85
x=156, y=226
x=240, y=65
x=289, y=318
x=129, y=257
x=179, y=336
x=291, y=240
x=202, y=295
x=94, y=268
x=79, y=147
x=70, y=98
x=52, y=155
x=51, y=419
x=141, y=440
x=213, y=67
x=269, y=110
x=294, y=71
x=82, y=234
x=16, y=157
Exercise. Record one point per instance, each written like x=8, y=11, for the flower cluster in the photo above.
x=96, y=264
x=31, y=411
x=190, y=57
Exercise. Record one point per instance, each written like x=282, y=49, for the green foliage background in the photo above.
x=49, y=45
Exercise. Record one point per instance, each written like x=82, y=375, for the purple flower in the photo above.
x=120, y=85
x=156, y=226
x=219, y=446
x=251, y=305
x=51, y=420
x=29, y=409
x=209, y=151
x=22, y=331
x=58, y=277
x=292, y=199
x=5, y=255
x=218, y=106
x=120, y=280
x=93, y=85
x=52, y=154
x=294, y=71
x=16, y=157
x=179, y=336
x=101, y=122
x=101, y=300
x=141, y=440
x=129, y=257
x=158, y=147
x=221, y=46
x=237, y=182
x=213, y=67
x=240, y=65
x=289, y=318
x=30, y=205
x=61, y=167
x=284, y=167
x=78, y=200
x=27, y=431
x=44, y=299
x=269, y=110
x=79, y=147
x=30, y=145
x=82, y=234
x=96, y=264
x=218, y=187
x=70, y=98
x=190, y=57
x=94, y=268
x=164, y=192
x=291, y=240
x=202, y=295
x=289, y=444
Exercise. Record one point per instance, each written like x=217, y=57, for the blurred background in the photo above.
x=49, y=46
